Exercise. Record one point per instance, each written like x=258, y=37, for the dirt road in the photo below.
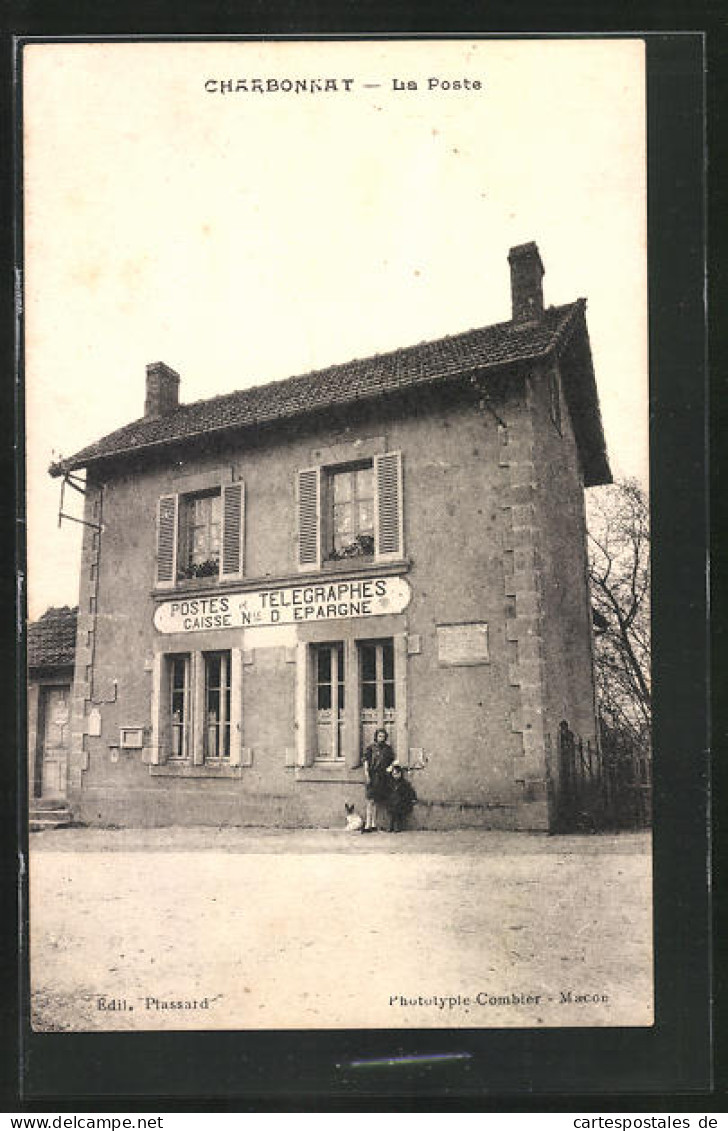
x=240, y=929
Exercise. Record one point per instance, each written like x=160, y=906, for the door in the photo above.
x=55, y=739
x=378, y=706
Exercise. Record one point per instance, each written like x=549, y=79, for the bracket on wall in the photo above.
x=78, y=485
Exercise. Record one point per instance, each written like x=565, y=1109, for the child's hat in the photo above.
x=394, y=766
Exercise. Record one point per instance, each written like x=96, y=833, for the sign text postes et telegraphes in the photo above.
x=296, y=604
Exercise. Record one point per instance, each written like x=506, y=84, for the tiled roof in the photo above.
x=52, y=639
x=489, y=348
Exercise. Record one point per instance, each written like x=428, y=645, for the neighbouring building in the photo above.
x=270, y=575
x=51, y=643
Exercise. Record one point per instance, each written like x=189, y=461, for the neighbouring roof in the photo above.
x=492, y=348
x=52, y=639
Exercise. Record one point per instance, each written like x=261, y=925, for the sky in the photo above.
x=245, y=236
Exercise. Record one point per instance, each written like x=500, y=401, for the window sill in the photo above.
x=329, y=772
x=360, y=561
x=197, y=582
x=188, y=770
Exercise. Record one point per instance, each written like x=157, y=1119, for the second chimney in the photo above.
x=526, y=283
x=162, y=390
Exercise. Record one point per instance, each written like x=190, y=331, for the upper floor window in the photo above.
x=351, y=510
x=201, y=535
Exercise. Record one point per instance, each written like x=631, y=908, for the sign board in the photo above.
x=460, y=645
x=296, y=604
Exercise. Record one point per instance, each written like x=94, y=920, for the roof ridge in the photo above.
x=480, y=347
x=352, y=361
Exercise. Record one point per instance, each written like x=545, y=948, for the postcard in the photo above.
x=336, y=378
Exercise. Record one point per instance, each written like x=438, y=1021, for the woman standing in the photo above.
x=376, y=760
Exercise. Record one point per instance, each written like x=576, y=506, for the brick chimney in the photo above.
x=526, y=286
x=162, y=390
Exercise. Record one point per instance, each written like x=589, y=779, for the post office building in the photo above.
x=271, y=575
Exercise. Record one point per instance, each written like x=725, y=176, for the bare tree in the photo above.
x=619, y=575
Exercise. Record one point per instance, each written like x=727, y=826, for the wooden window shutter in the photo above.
x=389, y=540
x=232, y=557
x=309, y=518
x=167, y=541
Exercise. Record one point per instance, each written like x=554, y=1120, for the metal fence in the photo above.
x=604, y=785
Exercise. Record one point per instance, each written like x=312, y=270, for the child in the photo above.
x=400, y=798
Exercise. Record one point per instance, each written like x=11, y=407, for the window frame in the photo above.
x=196, y=709
x=186, y=526
x=304, y=758
x=314, y=507
x=221, y=727
x=172, y=532
x=337, y=685
x=330, y=475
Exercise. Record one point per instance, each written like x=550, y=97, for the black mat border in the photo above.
x=267, y=1071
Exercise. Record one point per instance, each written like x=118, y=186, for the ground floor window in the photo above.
x=349, y=689
x=198, y=707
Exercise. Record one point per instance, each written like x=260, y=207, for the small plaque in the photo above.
x=461, y=645
x=94, y=723
x=131, y=738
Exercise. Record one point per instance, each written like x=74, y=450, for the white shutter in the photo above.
x=389, y=540
x=167, y=509
x=309, y=518
x=232, y=557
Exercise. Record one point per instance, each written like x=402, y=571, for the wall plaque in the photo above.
x=460, y=645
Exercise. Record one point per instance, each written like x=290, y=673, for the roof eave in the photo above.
x=74, y=463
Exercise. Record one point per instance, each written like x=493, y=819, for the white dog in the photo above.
x=354, y=822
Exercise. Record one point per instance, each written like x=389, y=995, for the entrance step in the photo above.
x=49, y=815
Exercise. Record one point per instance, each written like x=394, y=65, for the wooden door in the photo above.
x=55, y=741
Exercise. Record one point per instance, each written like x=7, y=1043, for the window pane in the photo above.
x=342, y=483
x=341, y=697
x=389, y=695
x=324, y=697
x=213, y=671
x=365, y=483
x=366, y=518
x=369, y=695
x=343, y=518
x=368, y=663
x=324, y=665
x=388, y=661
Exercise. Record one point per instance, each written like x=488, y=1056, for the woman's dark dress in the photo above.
x=377, y=759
